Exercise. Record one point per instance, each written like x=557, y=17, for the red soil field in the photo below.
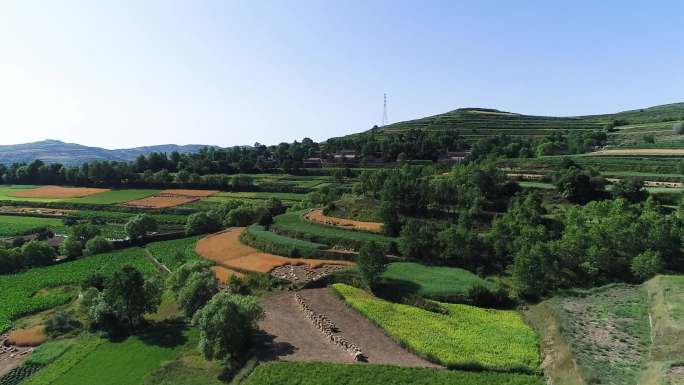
x=317, y=216
x=170, y=198
x=223, y=275
x=225, y=249
x=57, y=192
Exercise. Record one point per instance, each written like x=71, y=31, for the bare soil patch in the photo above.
x=34, y=211
x=160, y=201
x=223, y=274
x=317, y=216
x=33, y=336
x=289, y=335
x=11, y=356
x=57, y=192
x=225, y=249
x=170, y=198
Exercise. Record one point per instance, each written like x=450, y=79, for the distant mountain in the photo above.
x=53, y=151
x=476, y=123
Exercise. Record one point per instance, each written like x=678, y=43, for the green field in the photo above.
x=435, y=282
x=15, y=225
x=18, y=291
x=175, y=252
x=114, y=196
x=300, y=373
x=469, y=337
x=223, y=196
x=292, y=224
x=539, y=185
x=258, y=237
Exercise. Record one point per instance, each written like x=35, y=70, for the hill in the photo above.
x=475, y=123
x=52, y=151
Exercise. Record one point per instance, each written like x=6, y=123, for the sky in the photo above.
x=119, y=74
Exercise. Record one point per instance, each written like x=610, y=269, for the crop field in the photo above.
x=284, y=196
x=175, y=252
x=607, y=330
x=316, y=216
x=292, y=224
x=7, y=192
x=17, y=291
x=360, y=209
x=485, y=338
x=15, y=225
x=299, y=373
x=127, y=362
x=436, y=282
x=225, y=249
x=115, y=196
x=57, y=192
x=258, y=237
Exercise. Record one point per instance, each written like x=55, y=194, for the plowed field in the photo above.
x=57, y=192
x=317, y=216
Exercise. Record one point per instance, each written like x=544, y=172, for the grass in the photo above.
x=115, y=196
x=82, y=347
x=607, y=330
x=309, y=373
x=175, y=252
x=18, y=291
x=539, y=185
x=468, y=337
x=292, y=224
x=359, y=209
x=15, y=225
x=48, y=352
x=126, y=362
x=435, y=282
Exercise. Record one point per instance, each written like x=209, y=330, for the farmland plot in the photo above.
x=485, y=338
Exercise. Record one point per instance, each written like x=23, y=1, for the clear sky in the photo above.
x=129, y=73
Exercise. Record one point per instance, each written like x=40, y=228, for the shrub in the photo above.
x=646, y=265
x=678, y=128
x=71, y=248
x=98, y=245
x=60, y=324
x=200, y=223
x=258, y=237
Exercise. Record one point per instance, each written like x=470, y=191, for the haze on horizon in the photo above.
x=119, y=74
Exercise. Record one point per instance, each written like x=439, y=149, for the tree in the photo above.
x=193, y=285
x=417, y=240
x=37, y=253
x=678, y=128
x=127, y=296
x=202, y=222
x=71, y=248
x=461, y=246
x=649, y=138
x=140, y=226
x=83, y=232
x=631, y=189
x=372, y=263
x=10, y=261
x=97, y=245
x=575, y=185
x=646, y=265
x=227, y=324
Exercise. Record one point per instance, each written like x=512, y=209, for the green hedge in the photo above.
x=258, y=237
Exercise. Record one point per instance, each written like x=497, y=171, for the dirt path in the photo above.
x=289, y=335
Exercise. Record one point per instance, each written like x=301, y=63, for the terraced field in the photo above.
x=292, y=224
x=20, y=225
x=115, y=196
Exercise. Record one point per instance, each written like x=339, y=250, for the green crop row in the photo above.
x=468, y=337
x=175, y=252
x=258, y=237
x=313, y=373
x=19, y=225
x=292, y=224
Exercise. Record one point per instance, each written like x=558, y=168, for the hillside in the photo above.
x=52, y=151
x=475, y=123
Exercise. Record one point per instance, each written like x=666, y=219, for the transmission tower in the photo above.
x=384, y=109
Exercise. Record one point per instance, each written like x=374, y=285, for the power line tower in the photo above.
x=384, y=109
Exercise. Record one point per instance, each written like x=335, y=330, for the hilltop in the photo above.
x=475, y=123
x=52, y=151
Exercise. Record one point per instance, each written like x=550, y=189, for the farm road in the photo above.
x=289, y=335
